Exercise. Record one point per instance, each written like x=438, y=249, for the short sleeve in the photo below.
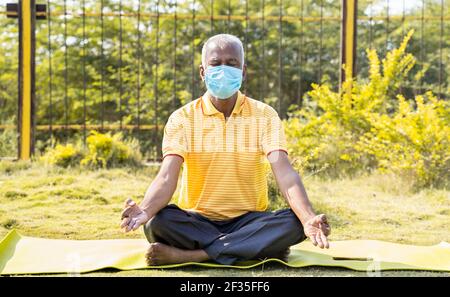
x=273, y=136
x=174, y=139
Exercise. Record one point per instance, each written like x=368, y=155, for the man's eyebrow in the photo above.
x=232, y=60
x=217, y=59
x=214, y=59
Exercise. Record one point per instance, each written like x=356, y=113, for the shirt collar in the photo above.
x=210, y=109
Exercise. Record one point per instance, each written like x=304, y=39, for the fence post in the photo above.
x=27, y=17
x=348, y=40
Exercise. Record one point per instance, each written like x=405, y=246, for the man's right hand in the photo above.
x=133, y=216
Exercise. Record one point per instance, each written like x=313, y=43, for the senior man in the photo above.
x=224, y=140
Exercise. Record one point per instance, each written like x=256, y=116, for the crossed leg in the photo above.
x=177, y=236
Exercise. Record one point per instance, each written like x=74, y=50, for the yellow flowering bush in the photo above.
x=103, y=151
x=63, y=155
x=414, y=142
x=371, y=127
x=106, y=150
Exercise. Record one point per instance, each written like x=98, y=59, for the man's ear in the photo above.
x=244, y=72
x=202, y=72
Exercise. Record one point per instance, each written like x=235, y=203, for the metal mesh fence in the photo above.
x=126, y=65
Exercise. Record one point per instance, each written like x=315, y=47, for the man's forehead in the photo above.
x=214, y=51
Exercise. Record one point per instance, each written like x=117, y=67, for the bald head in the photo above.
x=223, y=47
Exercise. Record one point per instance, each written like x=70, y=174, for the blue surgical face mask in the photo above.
x=223, y=81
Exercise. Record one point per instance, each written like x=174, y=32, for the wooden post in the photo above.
x=348, y=39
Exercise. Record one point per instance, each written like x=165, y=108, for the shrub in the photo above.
x=106, y=150
x=413, y=143
x=66, y=155
x=370, y=128
x=103, y=151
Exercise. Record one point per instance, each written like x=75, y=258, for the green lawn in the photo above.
x=77, y=204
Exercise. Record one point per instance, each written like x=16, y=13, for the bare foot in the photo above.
x=160, y=254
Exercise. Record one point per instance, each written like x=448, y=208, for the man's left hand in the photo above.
x=317, y=229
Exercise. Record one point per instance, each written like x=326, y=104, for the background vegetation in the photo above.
x=373, y=127
x=158, y=69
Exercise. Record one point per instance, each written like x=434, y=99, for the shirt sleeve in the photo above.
x=174, y=139
x=273, y=136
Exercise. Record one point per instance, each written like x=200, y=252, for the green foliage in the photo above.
x=371, y=128
x=10, y=167
x=276, y=199
x=63, y=155
x=413, y=142
x=165, y=69
x=103, y=151
x=106, y=150
x=8, y=140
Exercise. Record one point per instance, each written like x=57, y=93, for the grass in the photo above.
x=77, y=204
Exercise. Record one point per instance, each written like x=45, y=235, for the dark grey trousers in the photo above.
x=253, y=235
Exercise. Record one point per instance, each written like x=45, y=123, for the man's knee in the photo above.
x=156, y=226
x=286, y=230
x=292, y=226
x=148, y=230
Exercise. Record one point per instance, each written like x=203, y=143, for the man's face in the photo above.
x=228, y=55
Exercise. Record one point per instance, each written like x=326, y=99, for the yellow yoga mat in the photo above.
x=28, y=255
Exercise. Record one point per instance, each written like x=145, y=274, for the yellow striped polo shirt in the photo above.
x=225, y=165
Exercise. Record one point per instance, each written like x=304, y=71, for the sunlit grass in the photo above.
x=78, y=204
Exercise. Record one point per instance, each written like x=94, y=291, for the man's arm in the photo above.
x=156, y=197
x=163, y=186
x=315, y=226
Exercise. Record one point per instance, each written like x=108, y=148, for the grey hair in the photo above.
x=221, y=40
